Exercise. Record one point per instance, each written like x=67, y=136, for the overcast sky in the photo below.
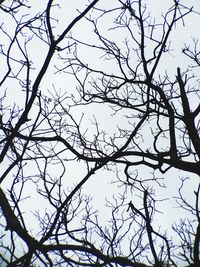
x=100, y=185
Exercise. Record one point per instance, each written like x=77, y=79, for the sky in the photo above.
x=101, y=186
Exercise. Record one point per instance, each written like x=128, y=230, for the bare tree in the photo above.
x=92, y=92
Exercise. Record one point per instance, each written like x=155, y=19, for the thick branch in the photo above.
x=188, y=115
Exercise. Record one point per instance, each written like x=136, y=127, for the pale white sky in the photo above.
x=100, y=185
